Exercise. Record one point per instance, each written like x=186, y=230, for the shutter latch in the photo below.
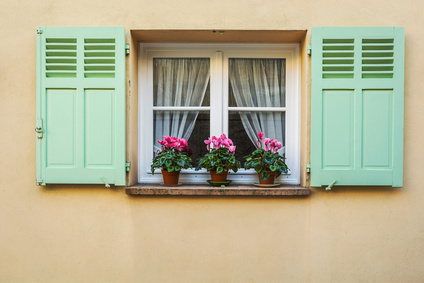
x=330, y=186
x=39, y=128
x=105, y=181
x=127, y=49
x=127, y=166
x=308, y=168
x=309, y=49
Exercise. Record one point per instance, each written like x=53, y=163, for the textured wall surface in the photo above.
x=64, y=233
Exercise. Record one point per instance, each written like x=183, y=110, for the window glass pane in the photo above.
x=257, y=82
x=192, y=125
x=181, y=81
x=244, y=126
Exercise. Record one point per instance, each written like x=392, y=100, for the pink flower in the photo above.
x=216, y=143
x=230, y=142
x=173, y=143
x=232, y=149
x=208, y=142
x=260, y=135
x=183, y=142
x=227, y=143
x=266, y=140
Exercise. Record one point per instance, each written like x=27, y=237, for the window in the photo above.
x=357, y=103
x=199, y=90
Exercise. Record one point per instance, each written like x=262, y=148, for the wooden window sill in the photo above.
x=207, y=190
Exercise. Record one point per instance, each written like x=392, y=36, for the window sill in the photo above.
x=207, y=190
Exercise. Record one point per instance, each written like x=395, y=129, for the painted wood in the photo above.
x=81, y=101
x=357, y=106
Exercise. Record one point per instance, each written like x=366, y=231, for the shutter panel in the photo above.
x=81, y=105
x=357, y=106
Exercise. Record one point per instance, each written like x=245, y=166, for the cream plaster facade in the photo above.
x=68, y=233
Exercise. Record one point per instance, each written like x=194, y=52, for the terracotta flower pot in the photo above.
x=270, y=180
x=170, y=178
x=218, y=177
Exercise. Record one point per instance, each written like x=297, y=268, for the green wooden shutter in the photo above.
x=81, y=105
x=357, y=106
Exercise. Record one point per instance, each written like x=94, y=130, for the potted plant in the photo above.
x=266, y=160
x=175, y=155
x=219, y=159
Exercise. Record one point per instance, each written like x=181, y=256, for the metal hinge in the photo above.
x=127, y=49
x=308, y=168
x=39, y=182
x=309, y=49
x=39, y=128
x=39, y=31
x=127, y=166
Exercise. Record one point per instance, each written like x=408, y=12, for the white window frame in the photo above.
x=219, y=54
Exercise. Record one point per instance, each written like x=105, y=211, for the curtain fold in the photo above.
x=178, y=82
x=260, y=83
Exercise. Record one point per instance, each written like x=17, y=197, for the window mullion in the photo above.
x=216, y=114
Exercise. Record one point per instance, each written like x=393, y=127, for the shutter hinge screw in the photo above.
x=39, y=31
x=308, y=168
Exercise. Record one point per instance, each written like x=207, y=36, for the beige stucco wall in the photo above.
x=93, y=234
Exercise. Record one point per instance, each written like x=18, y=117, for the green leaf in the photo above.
x=273, y=167
x=268, y=160
x=181, y=162
x=219, y=170
x=256, y=163
x=258, y=168
x=264, y=175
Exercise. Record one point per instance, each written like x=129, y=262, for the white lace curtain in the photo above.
x=178, y=82
x=260, y=83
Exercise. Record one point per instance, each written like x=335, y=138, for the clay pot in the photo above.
x=270, y=180
x=170, y=178
x=218, y=177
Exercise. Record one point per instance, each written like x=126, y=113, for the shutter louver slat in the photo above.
x=337, y=58
x=61, y=59
x=377, y=58
x=99, y=58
